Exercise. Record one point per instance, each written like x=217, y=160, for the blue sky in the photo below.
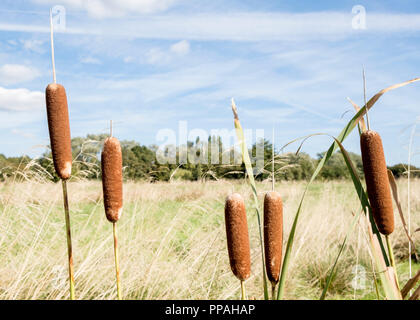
x=149, y=64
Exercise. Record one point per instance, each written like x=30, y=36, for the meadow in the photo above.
x=172, y=240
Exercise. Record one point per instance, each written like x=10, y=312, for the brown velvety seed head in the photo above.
x=59, y=128
x=377, y=182
x=112, y=180
x=237, y=236
x=273, y=234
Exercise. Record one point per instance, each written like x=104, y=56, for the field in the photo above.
x=172, y=241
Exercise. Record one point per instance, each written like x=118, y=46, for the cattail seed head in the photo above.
x=377, y=182
x=59, y=128
x=273, y=234
x=237, y=236
x=112, y=180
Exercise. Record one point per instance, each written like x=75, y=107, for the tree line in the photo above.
x=142, y=162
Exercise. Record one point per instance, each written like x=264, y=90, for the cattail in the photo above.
x=60, y=139
x=377, y=183
x=237, y=236
x=112, y=181
x=273, y=235
x=59, y=128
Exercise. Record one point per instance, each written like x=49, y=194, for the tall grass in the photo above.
x=172, y=241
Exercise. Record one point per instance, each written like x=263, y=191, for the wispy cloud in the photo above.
x=35, y=45
x=288, y=69
x=246, y=26
x=113, y=8
x=90, y=60
x=16, y=73
x=181, y=47
x=20, y=99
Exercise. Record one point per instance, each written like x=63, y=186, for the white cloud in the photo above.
x=16, y=73
x=181, y=48
x=34, y=45
x=157, y=56
x=23, y=133
x=165, y=56
x=20, y=99
x=90, y=60
x=113, y=8
x=238, y=26
x=128, y=59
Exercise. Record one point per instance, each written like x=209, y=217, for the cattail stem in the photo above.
x=243, y=291
x=392, y=259
x=52, y=47
x=273, y=292
x=117, y=265
x=273, y=182
x=69, y=246
x=364, y=96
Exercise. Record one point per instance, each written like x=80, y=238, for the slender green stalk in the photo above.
x=243, y=292
x=117, y=265
x=392, y=259
x=69, y=246
x=375, y=281
x=273, y=292
x=273, y=180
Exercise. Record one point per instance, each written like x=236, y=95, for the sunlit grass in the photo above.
x=172, y=241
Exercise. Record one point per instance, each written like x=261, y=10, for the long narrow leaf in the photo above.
x=410, y=284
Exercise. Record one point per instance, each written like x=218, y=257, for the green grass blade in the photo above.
x=343, y=245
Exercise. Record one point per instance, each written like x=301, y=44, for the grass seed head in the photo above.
x=377, y=182
x=273, y=234
x=112, y=180
x=237, y=236
x=59, y=128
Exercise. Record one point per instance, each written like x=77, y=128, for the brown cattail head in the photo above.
x=112, y=180
x=59, y=128
x=273, y=234
x=377, y=182
x=237, y=236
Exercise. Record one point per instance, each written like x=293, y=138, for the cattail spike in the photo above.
x=112, y=181
x=273, y=235
x=377, y=182
x=59, y=128
x=237, y=236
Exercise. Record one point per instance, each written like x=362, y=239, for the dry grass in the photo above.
x=172, y=241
